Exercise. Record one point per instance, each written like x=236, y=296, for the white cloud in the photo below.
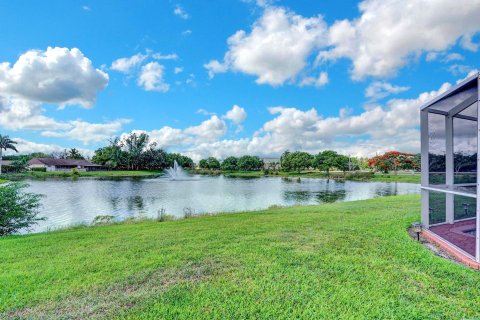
x=381, y=89
x=467, y=43
x=26, y=147
x=214, y=66
x=178, y=70
x=460, y=69
x=317, y=82
x=88, y=132
x=205, y=112
x=126, y=65
x=386, y=36
x=86, y=8
x=453, y=57
x=151, y=78
x=20, y=114
x=208, y=130
x=180, y=12
x=237, y=115
x=168, y=137
x=390, y=33
x=159, y=56
x=378, y=128
x=187, y=32
x=277, y=48
x=58, y=75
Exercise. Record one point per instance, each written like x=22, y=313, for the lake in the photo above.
x=74, y=201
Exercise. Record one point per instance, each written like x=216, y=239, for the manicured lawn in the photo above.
x=350, y=260
x=409, y=178
x=113, y=174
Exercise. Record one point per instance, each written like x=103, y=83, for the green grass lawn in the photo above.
x=350, y=260
x=409, y=178
x=3, y=181
x=112, y=174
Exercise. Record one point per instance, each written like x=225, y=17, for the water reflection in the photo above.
x=331, y=196
x=69, y=201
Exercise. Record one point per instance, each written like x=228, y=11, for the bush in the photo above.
x=75, y=171
x=18, y=209
x=39, y=169
x=103, y=219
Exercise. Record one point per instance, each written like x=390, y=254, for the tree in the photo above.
x=249, y=163
x=392, y=160
x=112, y=156
x=283, y=159
x=18, y=210
x=297, y=160
x=183, y=161
x=135, y=144
x=213, y=163
x=326, y=160
x=203, y=164
x=74, y=154
x=154, y=159
x=230, y=164
x=5, y=144
x=135, y=152
x=343, y=163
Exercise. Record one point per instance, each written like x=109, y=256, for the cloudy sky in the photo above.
x=230, y=77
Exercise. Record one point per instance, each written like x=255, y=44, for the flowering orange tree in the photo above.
x=393, y=160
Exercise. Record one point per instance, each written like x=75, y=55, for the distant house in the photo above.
x=6, y=162
x=271, y=163
x=52, y=164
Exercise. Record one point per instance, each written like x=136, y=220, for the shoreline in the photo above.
x=91, y=174
x=340, y=176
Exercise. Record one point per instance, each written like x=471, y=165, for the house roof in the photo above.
x=62, y=162
x=6, y=162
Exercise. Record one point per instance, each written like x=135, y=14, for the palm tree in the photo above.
x=115, y=153
x=74, y=154
x=5, y=144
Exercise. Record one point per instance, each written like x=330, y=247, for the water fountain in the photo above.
x=176, y=172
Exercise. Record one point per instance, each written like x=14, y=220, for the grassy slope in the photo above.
x=410, y=178
x=338, y=261
x=114, y=174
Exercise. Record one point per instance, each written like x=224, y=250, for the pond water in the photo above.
x=75, y=201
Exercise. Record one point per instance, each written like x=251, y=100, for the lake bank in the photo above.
x=342, y=260
x=352, y=176
x=91, y=174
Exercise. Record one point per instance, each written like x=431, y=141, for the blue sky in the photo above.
x=229, y=77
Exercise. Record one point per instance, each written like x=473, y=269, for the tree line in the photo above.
x=244, y=163
x=136, y=152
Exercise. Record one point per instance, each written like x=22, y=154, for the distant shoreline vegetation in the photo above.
x=136, y=155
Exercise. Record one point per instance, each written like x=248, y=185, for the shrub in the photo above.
x=18, y=209
x=39, y=169
x=75, y=171
x=188, y=213
x=103, y=219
